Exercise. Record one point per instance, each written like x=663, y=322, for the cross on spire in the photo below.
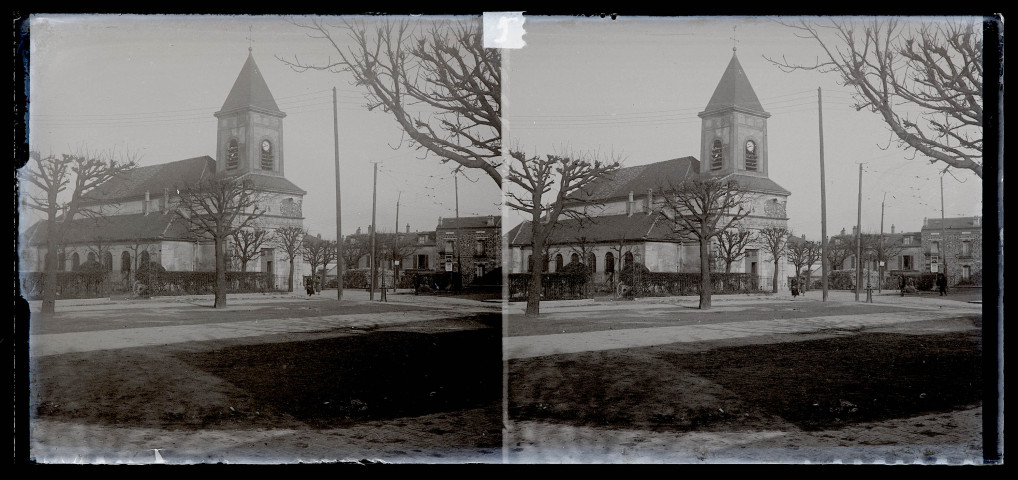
x=250, y=41
x=734, y=41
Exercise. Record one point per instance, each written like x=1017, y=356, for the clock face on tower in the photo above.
x=266, y=146
x=750, y=146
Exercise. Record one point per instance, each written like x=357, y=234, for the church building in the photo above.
x=139, y=223
x=626, y=224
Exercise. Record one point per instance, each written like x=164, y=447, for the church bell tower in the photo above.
x=734, y=127
x=250, y=134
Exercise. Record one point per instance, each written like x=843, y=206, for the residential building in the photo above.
x=470, y=245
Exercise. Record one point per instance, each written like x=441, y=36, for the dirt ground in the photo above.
x=401, y=390
x=821, y=383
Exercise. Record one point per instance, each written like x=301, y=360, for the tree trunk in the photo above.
x=220, y=274
x=49, y=286
x=705, y=283
x=289, y=283
x=774, y=283
x=534, y=286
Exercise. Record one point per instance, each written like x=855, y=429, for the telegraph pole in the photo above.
x=858, y=242
x=339, y=209
x=395, y=245
x=374, y=197
x=823, y=200
x=880, y=282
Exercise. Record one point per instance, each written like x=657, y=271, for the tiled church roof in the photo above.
x=250, y=90
x=272, y=183
x=638, y=179
x=609, y=228
x=116, y=228
x=734, y=90
x=153, y=179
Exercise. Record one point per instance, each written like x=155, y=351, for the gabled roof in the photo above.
x=610, y=228
x=116, y=228
x=153, y=179
x=250, y=90
x=754, y=183
x=953, y=223
x=490, y=221
x=638, y=179
x=272, y=183
x=734, y=91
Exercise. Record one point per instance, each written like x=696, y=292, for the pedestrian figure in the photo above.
x=942, y=284
x=310, y=287
x=902, y=284
x=795, y=287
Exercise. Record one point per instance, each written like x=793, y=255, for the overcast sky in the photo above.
x=634, y=86
x=150, y=84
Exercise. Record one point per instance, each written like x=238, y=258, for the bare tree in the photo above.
x=291, y=238
x=247, y=244
x=397, y=247
x=775, y=242
x=814, y=252
x=883, y=249
x=330, y=253
x=924, y=78
x=704, y=206
x=839, y=249
x=533, y=179
x=355, y=248
x=314, y=251
x=54, y=179
x=217, y=208
x=732, y=246
x=798, y=250
x=436, y=78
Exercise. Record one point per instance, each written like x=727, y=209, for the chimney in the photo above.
x=358, y=231
x=650, y=201
x=145, y=206
x=408, y=228
x=855, y=230
x=842, y=230
x=629, y=204
x=804, y=236
x=491, y=220
x=892, y=228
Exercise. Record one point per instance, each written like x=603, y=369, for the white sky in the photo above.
x=150, y=84
x=634, y=86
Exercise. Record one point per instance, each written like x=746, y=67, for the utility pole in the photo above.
x=459, y=264
x=858, y=242
x=374, y=197
x=943, y=229
x=881, y=257
x=823, y=200
x=396, y=245
x=339, y=209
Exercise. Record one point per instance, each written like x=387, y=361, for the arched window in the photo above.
x=232, y=155
x=627, y=260
x=75, y=261
x=717, y=156
x=108, y=261
x=125, y=262
x=91, y=257
x=574, y=258
x=268, y=158
x=609, y=262
x=143, y=260
x=558, y=262
x=752, y=153
x=592, y=262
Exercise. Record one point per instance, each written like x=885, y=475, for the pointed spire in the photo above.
x=734, y=90
x=250, y=89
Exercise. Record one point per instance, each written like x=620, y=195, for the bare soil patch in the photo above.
x=813, y=384
x=436, y=379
